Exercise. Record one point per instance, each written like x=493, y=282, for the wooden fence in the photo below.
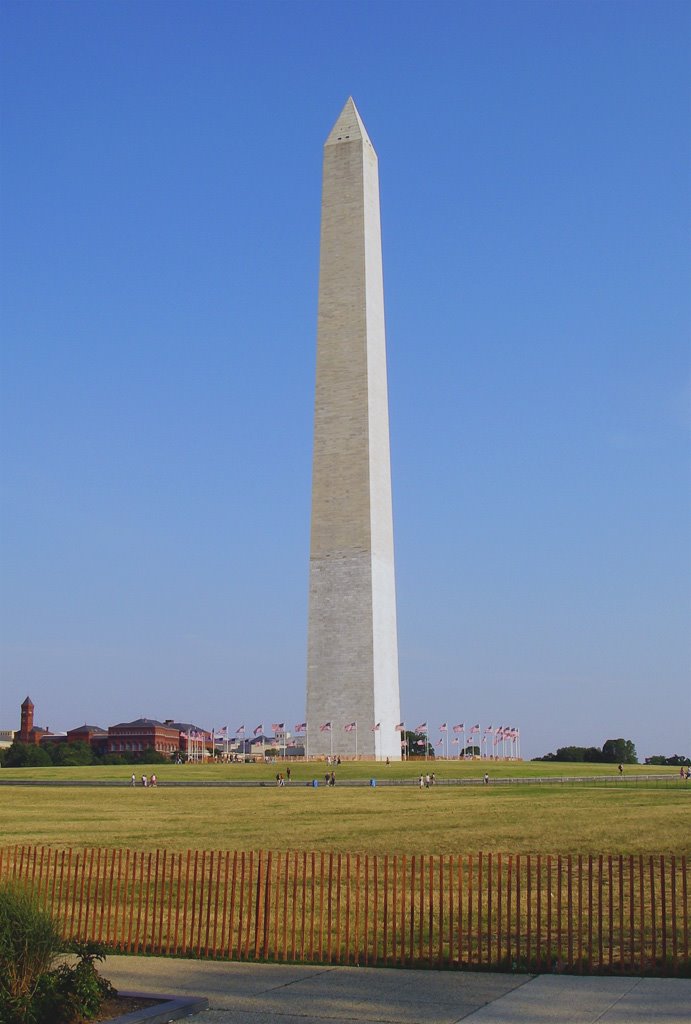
x=561, y=913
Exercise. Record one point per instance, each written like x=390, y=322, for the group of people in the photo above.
x=335, y=759
x=146, y=782
x=281, y=779
x=425, y=781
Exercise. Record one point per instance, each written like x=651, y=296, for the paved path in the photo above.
x=241, y=993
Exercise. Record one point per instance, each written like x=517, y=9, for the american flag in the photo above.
x=350, y=726
x=443, y=727
x=277, y=726
x=326, y=727
x=259, y=730
x=459, y=728
x=240, y=731
x=421, y=728
x=301, y=727
x=474, y=728
x=400, y=727
x=489, y=729
x=455, y=739
x=375, y=728
x=440, y=741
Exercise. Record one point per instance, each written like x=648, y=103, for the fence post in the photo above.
x=347, y=916
x=673, y=895
x=421, y=915
x=385, y=923
x=529, y=900
x=267, y=905
x=469, y=914
x=217, y=894
x=321, y=907
x=519, y=924
x=549, y=911
x=663, y=907
x=411, y=915
x=258, y=905
x=509, y=901
x=653, y=914
x=459, y=915
x=641, y=903
x=685, y=907
x=430, y=925
x=560, y=908
x=339, y=883
x=250, y=886
x=365, y=944
x=479, y=906
x=209, y=886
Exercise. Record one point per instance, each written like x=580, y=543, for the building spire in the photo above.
x=348, y=126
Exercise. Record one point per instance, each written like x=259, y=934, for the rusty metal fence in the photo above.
x=502, y=911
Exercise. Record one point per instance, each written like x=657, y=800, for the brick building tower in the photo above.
x=27, y=722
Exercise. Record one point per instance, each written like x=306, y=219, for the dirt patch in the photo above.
x=121, y=1005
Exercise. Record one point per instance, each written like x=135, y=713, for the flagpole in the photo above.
x=331, y=731
x=356, y=741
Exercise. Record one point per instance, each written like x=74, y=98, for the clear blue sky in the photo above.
x=161, y=178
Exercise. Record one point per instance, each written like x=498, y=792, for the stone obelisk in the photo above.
x=352, y=670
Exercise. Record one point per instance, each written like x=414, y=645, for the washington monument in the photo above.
x=352, y=656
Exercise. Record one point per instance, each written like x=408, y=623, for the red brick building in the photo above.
x=28, y=732
x=94, y=735
x=136, y=737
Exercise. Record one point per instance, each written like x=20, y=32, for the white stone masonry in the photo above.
x=352, y=673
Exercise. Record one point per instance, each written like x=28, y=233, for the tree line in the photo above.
x=71, y=755
x=619, y=751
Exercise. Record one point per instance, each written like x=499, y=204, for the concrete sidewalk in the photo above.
x=242, y=993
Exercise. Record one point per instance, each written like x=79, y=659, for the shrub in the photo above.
x=29, y=942
x=32, y=990
x=73, y=992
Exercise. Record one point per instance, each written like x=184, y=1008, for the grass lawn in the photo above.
x=530, y=818
x=302, y=772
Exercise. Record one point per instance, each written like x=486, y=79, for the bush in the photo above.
x=26, y=755
x=73, y=992
x=32, y=991
x=29, y=942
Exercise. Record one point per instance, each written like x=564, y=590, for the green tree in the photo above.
x=151, y=756
x=72, y=754
x=619, y=752
x=572, y=754
x=26, y=755
x=416, y=744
